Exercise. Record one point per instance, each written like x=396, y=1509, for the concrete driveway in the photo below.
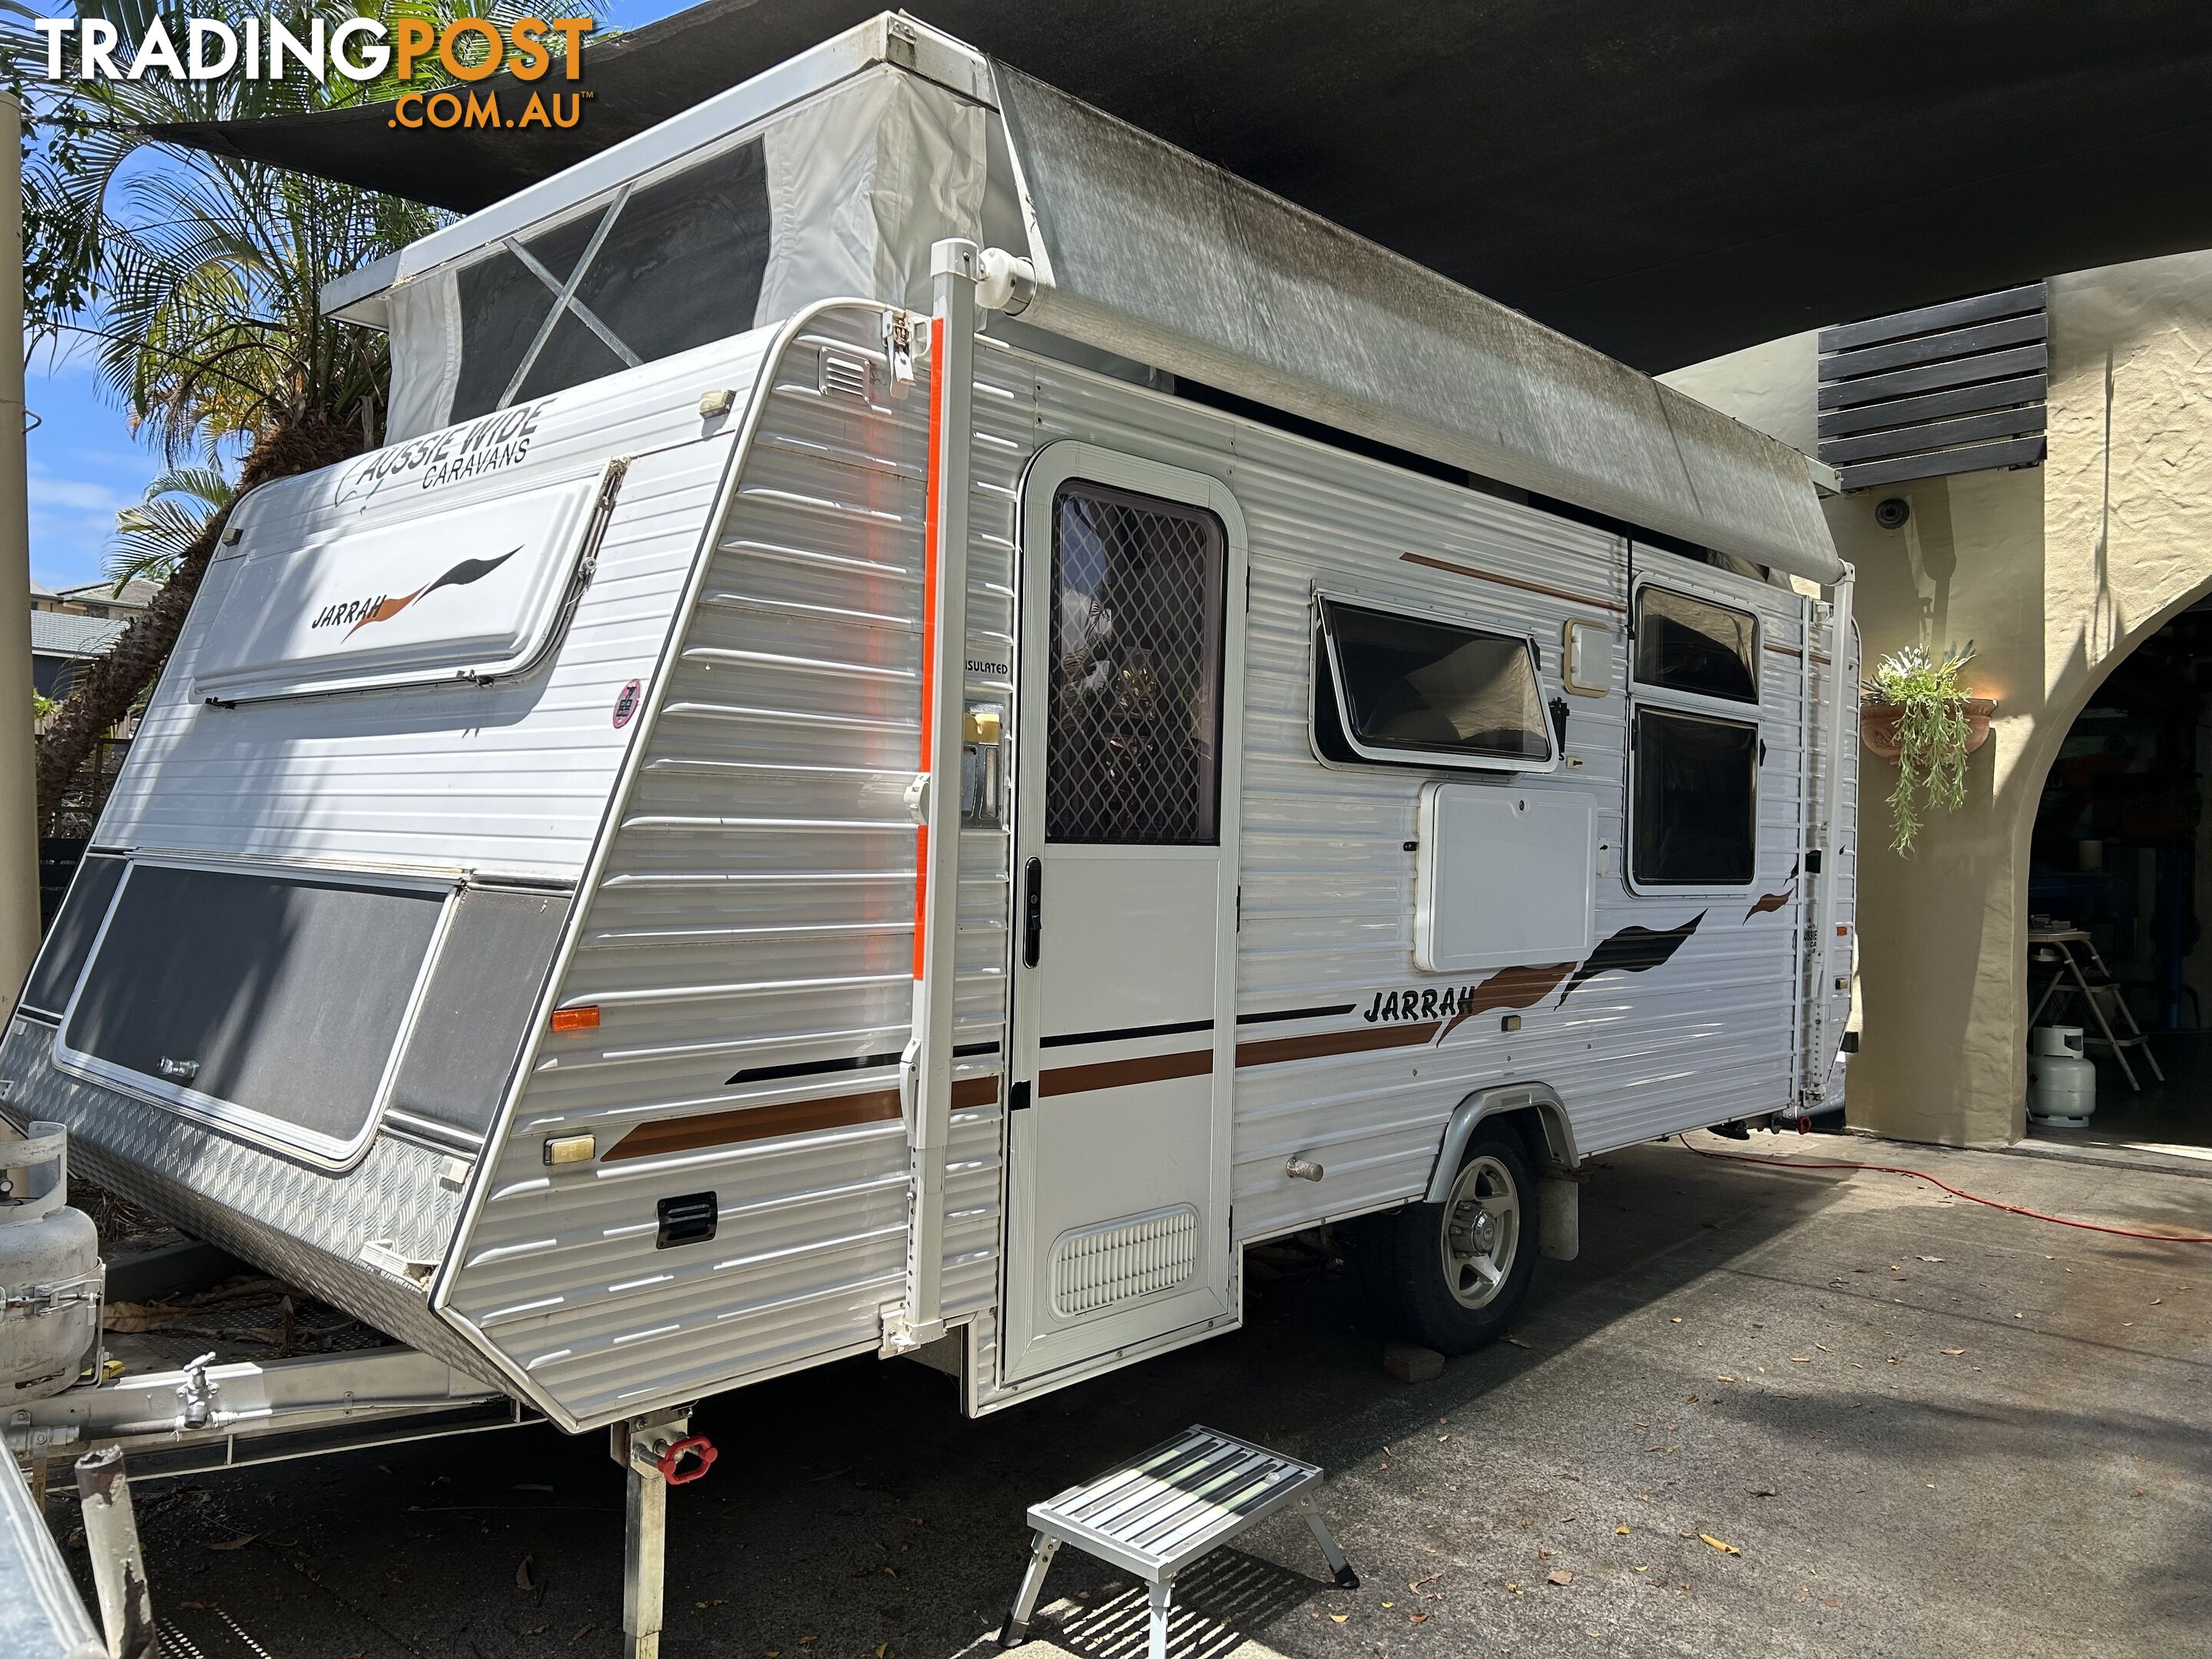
x=1768, y=1412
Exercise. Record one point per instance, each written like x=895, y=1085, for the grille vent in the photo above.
x=1095, y=1268
x=1957, y=387
x=844, y=377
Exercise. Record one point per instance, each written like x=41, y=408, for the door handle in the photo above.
x=1032, y=911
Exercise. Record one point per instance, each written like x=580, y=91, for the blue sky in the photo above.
x=85, y=461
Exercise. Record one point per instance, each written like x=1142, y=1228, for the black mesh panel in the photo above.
x=280, y=994
x=1134, y=695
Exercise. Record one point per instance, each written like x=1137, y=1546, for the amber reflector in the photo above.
x=576, y=1019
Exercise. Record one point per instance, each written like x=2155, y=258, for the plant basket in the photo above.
x=1878, y=726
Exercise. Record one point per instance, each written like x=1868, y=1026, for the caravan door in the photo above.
x=1125, y=923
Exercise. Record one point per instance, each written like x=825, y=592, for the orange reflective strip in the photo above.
x=939, y=392
x=576, y=1019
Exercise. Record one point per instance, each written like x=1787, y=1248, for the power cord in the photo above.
x=1956, y=1192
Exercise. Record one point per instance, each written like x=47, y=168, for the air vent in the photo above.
x=845, y=377
x=690, y=1219
x=1957, y=387
x=1095, y=1268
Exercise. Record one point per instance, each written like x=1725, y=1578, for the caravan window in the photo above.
x=1695, y=814
x=1392, y=687
x=657, y=270
x=1134, y=692
x=1687, y=644
x=271, y=1003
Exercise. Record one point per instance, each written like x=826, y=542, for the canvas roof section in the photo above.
x=1148, y=253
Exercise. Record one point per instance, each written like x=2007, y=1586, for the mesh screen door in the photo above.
x=1134, y=749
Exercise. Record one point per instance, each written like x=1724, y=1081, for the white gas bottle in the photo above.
x=2062, y=1080
x=50, y=1274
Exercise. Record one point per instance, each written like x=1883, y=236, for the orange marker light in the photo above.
x=586, y=1018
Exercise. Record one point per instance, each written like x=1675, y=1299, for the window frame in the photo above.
x=1641, y=695
x=1322, y=639
x=1644, y=886
x=1704, y=701
x=1142, y=500
x=304, y=1146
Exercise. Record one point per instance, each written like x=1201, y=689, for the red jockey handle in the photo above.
x=695, y=1446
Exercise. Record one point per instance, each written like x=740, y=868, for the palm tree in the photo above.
x=196, y=281
x=153, y=538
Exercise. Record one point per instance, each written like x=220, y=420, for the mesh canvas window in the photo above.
x=1133, y=689
x=1693, y=645
x=1394, y=687
x=663, y=267
x=1695, y=814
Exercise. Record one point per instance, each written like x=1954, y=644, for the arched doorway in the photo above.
x=2120, y=887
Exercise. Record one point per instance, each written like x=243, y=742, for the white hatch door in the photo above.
x=1132, y=580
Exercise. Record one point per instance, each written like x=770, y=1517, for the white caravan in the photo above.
x=937, y=717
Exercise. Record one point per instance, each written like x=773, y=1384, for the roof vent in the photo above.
x=1957, y=387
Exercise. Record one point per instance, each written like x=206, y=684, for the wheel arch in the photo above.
x=1535, y=1107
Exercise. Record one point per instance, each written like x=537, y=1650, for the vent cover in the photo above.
x=1957, y=387
x=1095, y=1268
x=844, y=377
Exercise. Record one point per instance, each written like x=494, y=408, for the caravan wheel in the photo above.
x=1454, y=1274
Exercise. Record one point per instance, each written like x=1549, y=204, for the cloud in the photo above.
x=73, y=519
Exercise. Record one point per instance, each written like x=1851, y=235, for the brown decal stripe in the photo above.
x=790, y=1117
x=1275, y=1050
x=1509, y=987
x=1120, y=1073
x=1509, y=582
x=975, y=1091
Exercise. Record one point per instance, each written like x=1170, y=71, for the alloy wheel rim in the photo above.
x=1481, y=1233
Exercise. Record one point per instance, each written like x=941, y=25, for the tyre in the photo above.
x=1452, y=1276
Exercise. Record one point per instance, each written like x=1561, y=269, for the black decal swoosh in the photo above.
x=1633, y=950
x=467, y=571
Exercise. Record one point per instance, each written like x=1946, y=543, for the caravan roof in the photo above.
x=1143, y=250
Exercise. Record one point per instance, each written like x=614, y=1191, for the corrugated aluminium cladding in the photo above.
x=748, y=895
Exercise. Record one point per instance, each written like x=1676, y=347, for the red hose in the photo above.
x=1956, y=1192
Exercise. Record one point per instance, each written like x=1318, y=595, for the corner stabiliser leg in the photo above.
x=655, y=1453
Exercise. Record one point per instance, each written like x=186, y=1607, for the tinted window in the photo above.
x=681, y=263
x=1425, y=688
x=1135, y=684
x=282, y=996
x=1695, y=816
x=60, y=961
x=1686, y=644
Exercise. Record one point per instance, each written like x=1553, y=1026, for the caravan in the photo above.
x=936, y=717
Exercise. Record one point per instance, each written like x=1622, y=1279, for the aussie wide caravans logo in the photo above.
x=490, y=443
x=364, y=50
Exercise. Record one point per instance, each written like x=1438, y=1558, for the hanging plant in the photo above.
x=1915, y=712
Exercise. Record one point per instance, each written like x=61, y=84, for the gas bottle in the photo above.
x=52, y=1278
x=2062, y=1080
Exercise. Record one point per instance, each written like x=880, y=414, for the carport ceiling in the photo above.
x=1665, y=181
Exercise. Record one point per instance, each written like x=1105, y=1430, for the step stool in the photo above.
x=1164, y=1509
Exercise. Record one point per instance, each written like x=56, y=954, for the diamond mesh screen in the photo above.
x=1134, y=750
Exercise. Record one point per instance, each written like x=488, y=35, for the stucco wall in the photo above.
x=2054, y=573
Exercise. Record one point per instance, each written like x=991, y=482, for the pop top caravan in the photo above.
x=937, y=716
